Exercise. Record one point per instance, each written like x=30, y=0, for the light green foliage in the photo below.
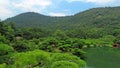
x=64, y=64
x=70, y=58
x=31, y=59
x=3, y=65
x=5, y=49
x=42, y=59
x=108, y=40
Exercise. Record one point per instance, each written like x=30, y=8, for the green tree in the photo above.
x=49, y=44
x=3, y=39
x=24, y=45
x=60, y=35
x=70, y=58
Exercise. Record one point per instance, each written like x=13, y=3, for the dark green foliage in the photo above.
x=49, y=44
x=24, y=45
x=80, y=53
x=93, y=23
x=78, y=43
x=65, y=48
x=7, y=31
x=3, y=39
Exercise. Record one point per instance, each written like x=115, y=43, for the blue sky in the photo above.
x=9, y=8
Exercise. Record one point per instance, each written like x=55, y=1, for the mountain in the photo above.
x=97, y=17
x=30, y=19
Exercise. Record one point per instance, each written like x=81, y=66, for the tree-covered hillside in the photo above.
x=104, y=21
x=97, y=17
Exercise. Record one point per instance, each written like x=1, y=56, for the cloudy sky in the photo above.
x=9, y=8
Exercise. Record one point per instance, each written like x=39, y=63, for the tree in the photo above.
x=49, y=44
x=24, y=45
x=79, y=53
x=117, y=40
x=77, y=43
x=3, y=39
x=60, y=35
x=69, y=58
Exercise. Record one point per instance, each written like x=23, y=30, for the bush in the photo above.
x=49, y=44
x=3, y=65
x=80, y=53
x=3, y=40
x=31, y=59
x=67, y=57
x=65, y=47
x=64, y=64
x=5, y=49
x=24, y=45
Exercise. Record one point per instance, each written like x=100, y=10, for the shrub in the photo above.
x=67, y=57
x=24, y=45
x=64, y=64
x=5, y=49
x=31, y=59
x=3, y=65
x=49, y=44
x=3, y=40
x=80, y=53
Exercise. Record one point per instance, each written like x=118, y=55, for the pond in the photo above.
x=103, y=57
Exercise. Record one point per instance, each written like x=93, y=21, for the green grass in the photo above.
x=103, y=57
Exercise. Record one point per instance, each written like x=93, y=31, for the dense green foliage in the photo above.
x=38, y=59
x=93, y=23
x=24, y=49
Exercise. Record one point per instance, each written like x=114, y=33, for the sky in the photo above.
x=10, y=8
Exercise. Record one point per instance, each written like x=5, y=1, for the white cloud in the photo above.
x=32, y=5
x=12, y=7
x=98, y=2
x=57, y=14
x=4, y=11
x=73, y=0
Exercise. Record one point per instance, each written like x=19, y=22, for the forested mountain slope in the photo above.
x=98, y=17
x=94, y=23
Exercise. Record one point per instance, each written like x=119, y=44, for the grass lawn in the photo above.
x=103, y=57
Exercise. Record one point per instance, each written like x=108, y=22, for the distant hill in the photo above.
x=108, y=17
